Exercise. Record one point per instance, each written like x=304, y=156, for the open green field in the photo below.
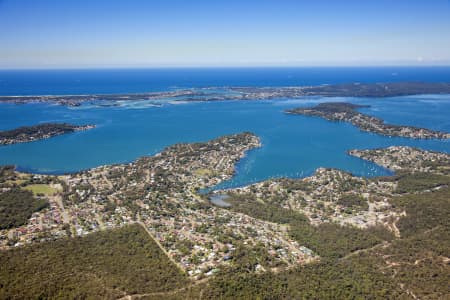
x=203, y=172
x=41, y=189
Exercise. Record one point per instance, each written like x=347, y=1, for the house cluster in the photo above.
x=405, y=158
x=320, y=197
x=159, y=192
x=205, y=238
x=44, y=225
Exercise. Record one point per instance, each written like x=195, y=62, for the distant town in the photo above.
x=370, y=90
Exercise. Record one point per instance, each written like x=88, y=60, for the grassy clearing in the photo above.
x=203, y=172
x=41, y=189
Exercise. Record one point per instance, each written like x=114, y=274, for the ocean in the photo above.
x=109, y=81
x=293, y=146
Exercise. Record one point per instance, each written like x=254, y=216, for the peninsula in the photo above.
x=286, y=238
x=370, y=90
x=160, y=194
x=402, y=158
x=341, y=111
x=38, y=132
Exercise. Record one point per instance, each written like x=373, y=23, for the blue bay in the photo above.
x=293, y=146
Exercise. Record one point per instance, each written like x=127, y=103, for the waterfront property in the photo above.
x=292, y=146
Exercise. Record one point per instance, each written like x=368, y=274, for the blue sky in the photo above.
x=174, y=33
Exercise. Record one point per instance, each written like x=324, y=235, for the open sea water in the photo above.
x=293, y=146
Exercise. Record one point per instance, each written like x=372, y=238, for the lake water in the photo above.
x=293, y=146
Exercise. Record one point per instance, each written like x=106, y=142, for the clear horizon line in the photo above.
x=225, y=67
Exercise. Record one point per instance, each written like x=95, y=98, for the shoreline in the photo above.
x=161, y=193
x=27, y=134
x=226, y=93
x=347, y=112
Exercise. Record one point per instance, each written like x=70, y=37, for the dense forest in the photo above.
x=102, y=265
x=16, y=207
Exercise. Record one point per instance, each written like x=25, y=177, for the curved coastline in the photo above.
x=347, y=112
x=369, y=90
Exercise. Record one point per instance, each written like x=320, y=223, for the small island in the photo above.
x=342, y=111
x=27, y=134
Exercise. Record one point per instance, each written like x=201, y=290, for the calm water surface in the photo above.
x=293, y=146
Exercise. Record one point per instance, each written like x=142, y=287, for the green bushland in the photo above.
x=417, y=182
x=331, y=241
x=414, y=263
x=6, y=173
x=419, y=262
x=17, y=206
x=353, y=201
x=423, y=211
x=111, y=264
x=327, y=240
x=102, y=265
x=248, y=205
x=349, y=279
